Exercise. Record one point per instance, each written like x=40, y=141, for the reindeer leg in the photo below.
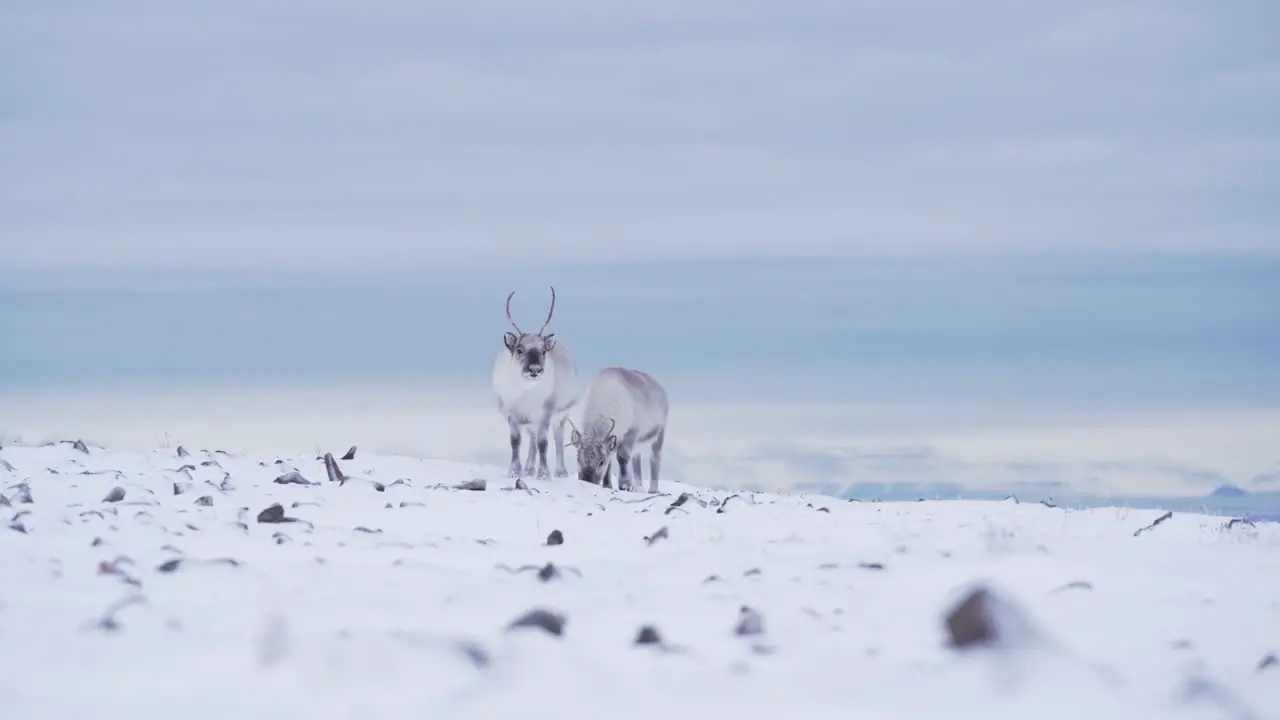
x=533, y=452
x=544, y=425
x=655, y=460
x=561, y=470
x=514, y=471
x=635, y=470
x=626, y=445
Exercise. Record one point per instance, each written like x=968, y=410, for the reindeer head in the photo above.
x=595, y=453
x=530, y=349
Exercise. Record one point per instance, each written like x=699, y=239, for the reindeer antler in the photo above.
x=513, y=322
x=575, y=430
x=613, y=422
x=552, y=311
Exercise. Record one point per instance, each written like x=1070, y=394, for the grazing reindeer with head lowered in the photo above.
x=624, y=411
x=535, y=382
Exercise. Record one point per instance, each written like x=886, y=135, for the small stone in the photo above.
x=473, y=484
x=116, y=495
x=1269, y=661
x=4, y=501
x=179, y=488
x=273, y=514
x=81, y=446
x=750, y=622
x=871, y=566
x=292, y=478
x=555, y=538
x=661, y=534
x=351, y=454
x=984, y=619
x=18, y=527
x=648, y=635
x=182, y=452
x=23, y=495
x=205, y=501
x=548, y=572
x=169, y=566
x=551, y=622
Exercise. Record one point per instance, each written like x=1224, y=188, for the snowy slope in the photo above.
x=395, y=603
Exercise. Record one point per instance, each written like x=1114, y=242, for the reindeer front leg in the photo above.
x=544, y=425
x=533, y=452
x=561, y=470
x=655, y=460
x=514, y=471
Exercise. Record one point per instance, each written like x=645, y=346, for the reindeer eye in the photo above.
x=519, y=351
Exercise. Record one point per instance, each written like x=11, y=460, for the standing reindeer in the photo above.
x=535, y=382
x=627, y=403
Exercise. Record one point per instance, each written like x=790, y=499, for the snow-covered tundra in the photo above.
x=535, y=382
x=624, y=411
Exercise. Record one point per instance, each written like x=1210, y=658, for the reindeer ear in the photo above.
x=509, y=339
x=612, y=443
x=548, y=342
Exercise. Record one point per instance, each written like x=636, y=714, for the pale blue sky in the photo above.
x=990, y=205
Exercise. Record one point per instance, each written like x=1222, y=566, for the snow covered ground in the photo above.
x=396, y=603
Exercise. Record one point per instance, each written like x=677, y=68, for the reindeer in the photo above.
x=535, y=382
x=623, y=409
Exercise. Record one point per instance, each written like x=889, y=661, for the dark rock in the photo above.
x=871, y=566
x=293, y=478
x=1268, y=662
x=521, y=485
x=750, y=622
x=1237, y=521
x=552, y=622
x=548, y=572
x=273, y=514
x=4, y=501
x=96, y=542
x=18, y=527
x=205, y=501
x=648, y=635
x=555, y=538
x=983, y=619
x=411, y=503
x=351, y=454
x=473, y=484
x=753, y=571
x=23, y=495
x=179, y=488
x=363, y=529
x=280, y=538
x=182, y=452
x=713, y=578
x=116, y=495
x=169, y=566
x=333, y=471
x=81, y=446
x=661, y=534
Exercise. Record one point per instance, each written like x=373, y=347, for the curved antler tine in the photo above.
x=574, y=428
x=613, y=422
x=513, y=322
x=551, y=312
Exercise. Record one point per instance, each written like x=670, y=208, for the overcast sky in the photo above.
x=401, y=133
x=1041, y=205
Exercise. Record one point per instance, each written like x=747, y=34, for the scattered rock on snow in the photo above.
x=274, y=514
x=551, y=622
x=473, y=484
x=333, y=471
x=81, y=446
x=116, y=495
x=661, y=534
x=205, y=501
x=750, y=622
x=169, y=566
x=182, y=452
x=18, y=527
x=293, y=478
x=548, y=572
x=4, y=501
x=22, y=496
x=5, y=465
x=984, y=619
x=871, y=566
x=1269, y=661
x=648, y=635
x=351, y=454
x=555, y=538
x=179, y=488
